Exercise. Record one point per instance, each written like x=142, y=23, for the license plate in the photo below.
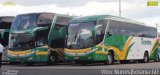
x=17, y=59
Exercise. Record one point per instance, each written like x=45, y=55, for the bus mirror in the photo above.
x=98, y=29
x=99, y=26
x=109, y=34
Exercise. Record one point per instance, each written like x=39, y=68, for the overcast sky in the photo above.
x=132, y=9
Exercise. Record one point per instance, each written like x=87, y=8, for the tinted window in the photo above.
x=100, y=30
x=45, y=19
x=113, y=27
x=61, y=20
x=124, y=28
x=24, y=21
x=58, y=32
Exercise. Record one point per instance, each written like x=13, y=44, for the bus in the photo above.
x=56, y=39
x=5, y=25
x=28, y=40
x=107, y=38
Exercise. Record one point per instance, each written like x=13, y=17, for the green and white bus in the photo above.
x=28, y=40
x=106, y=38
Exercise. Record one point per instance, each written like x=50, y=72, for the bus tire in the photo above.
x=52, y=59
x=30, y=64
x=145, y=58
x=12, y=63
x=124, y=61
x=84, y=64
x=76, y=62
x=110, y=59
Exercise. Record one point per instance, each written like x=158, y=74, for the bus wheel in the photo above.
x=83, y=64
x=29, y=64
x=52, y=59
x=145, y=58
x=110, y=58
x=124, y=61
x=12, y=63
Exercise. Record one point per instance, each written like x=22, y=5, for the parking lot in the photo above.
x=75, y=69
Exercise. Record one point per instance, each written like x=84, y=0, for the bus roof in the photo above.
x=36, y=13
x=110, y=17
x=49, y=13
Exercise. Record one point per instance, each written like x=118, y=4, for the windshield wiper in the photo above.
x=74, y=39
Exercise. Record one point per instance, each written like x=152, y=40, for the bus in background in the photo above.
x=5, y=25
x=28, y=40
x=56, y=39
x=106, y=38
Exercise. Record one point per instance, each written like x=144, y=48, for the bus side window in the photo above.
x=100, y=30
x=114, y=28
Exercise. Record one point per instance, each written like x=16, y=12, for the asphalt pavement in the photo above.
x=151, y=68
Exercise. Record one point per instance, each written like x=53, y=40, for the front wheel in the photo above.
x=145, y=58
x=84, y=64
x=29, y=64
x=110, y=59
x=52, y=59
x=124, y=61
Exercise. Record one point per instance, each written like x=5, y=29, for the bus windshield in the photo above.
x=22, y=40
x=80, y=35
x=23, y=22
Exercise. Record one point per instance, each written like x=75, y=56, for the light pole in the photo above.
x=120, y=8
x=157, y=26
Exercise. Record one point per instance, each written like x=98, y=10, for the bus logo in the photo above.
x=146, y=42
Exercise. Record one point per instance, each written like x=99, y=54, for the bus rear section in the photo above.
x=106, y=38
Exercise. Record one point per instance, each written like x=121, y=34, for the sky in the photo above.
x=132, y=9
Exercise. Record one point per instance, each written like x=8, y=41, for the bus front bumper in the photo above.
x=32, y=57
x=78, y=58
x=93, y=56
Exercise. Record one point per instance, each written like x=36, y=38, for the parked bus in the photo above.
x=28, y=40
x=56, y=39
x=5, y=24
x=106, y=38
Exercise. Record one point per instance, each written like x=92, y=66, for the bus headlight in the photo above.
x=66, y=58
x=89, y=57
x=30, y=58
